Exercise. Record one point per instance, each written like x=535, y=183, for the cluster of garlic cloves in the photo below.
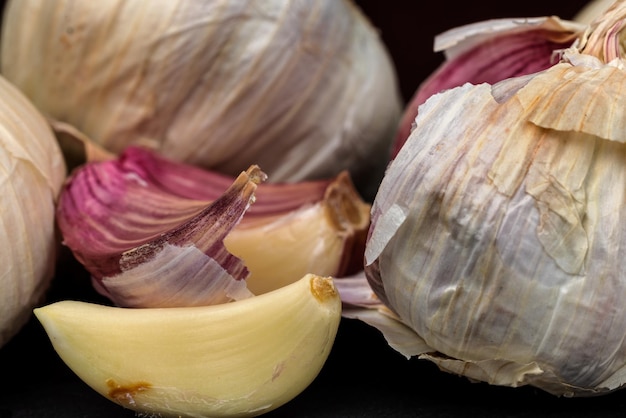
x=154, y=233
x=221, y=156
x=238, y=314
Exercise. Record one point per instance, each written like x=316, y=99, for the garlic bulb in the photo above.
x=304, y=89
x=497, y=232
x=31, y=173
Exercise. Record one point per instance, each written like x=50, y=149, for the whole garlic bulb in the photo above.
x=31, y=173
x=304, y=88
x=498, y=230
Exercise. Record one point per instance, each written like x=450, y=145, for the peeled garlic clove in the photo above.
x=237, y=359
x=488, y=52
x=31, y=174
x=497, y=229
x=304, y=89
x=326, y=237
x=144, y=248
x=118, y=210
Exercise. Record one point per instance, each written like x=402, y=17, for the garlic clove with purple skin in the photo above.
x=191, y=182
x=146, y=249
x=491, y=51
x=115, y=215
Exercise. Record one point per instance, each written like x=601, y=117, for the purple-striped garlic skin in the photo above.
x=488, y=52
x=156, y=232
x=146, y=247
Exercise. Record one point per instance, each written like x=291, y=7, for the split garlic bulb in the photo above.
x=31, y=173
x=498, y=230
x=304, y=89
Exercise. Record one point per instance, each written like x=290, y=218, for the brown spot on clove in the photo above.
x=125, y=394
x=278, y=369
x=350, y=215
x=323, y=288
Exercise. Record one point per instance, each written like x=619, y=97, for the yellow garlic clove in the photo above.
x=326, y=237
x=240, y=359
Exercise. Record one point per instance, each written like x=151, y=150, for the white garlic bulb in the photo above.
x=498, y=229
x=31, y=173
x=304, y=89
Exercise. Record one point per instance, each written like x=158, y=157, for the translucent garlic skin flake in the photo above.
x=497, y=231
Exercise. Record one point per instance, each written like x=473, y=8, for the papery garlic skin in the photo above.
x=497, y=231
x=325, y=237
x=148, y=249
x=304, y=89
x=31, y=173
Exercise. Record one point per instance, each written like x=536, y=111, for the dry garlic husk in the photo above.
x=157, y=233
x=497, y=231
x=302, y=88
x=31, y=173
x=490, y=51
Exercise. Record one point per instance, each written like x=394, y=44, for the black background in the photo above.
x=363, y=377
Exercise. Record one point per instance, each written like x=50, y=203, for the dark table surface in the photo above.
x=363, y=377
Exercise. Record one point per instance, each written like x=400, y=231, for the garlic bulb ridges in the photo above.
x=239, y=359
x=213, y=83
x=31, y=174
